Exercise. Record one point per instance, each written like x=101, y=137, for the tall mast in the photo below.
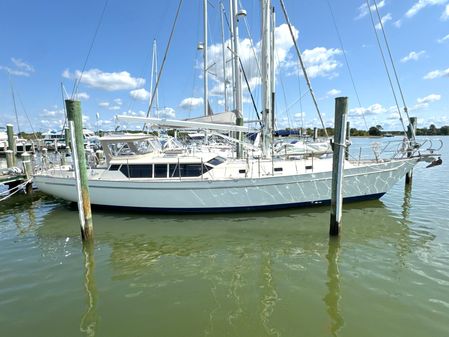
x=272, y=70
x=237, y=74
x=231, y=29
x=266, y=75
x=224, y=57
x=206, y=94
x=154, y=75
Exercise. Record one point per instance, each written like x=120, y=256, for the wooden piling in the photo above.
x=341, y=112
x=75, y=118
x=315, y=134
x=411, y=132
x=9, y=158
x=11, y=141
x=28, y=170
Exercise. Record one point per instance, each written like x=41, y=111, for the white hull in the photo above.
x=202, y=195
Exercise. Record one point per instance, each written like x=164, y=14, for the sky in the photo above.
x=45, y=45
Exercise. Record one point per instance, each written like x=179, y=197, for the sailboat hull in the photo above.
x=195, y=195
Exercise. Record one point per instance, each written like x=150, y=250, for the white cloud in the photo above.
x=96, y=78
x=436, y=74
x=114, y=107
x=15, y=72
x=364, y=11
x=429, y=99
x=52, y=113
x=445, y=15
x=374, y=109
x=22, y=65
x=333, y=92
x=384, y=20
x=103, y=104
x=118, y=101
x=443, y=39
x=140, y=94
x=421, y=4
x=166, y=113
x=321, y=62
x=397, y=23
x=191, y=103
x=82, y=96
x=413, y=55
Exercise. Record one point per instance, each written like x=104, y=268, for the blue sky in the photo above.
x=45, y=43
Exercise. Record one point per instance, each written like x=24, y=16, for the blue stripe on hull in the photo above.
x=238, y=209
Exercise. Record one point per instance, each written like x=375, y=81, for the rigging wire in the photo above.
x=346, y=60
x=393, y=66
x=386, y=67
x=77, y=82
x=164, y=59
x=14, y=102
x=298, y=52
x=249, y=89
x=26, y=115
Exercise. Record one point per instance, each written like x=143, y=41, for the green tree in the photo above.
x=374, y=131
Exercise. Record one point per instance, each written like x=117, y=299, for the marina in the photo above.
x=278, y=173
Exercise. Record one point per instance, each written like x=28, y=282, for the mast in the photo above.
x=206, y=94
x=153, y=76
x=266, y=76
x=224, y=57
x=237, y=74
x=272, y=70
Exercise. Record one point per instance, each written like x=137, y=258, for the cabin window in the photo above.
x=216, y=161
x=137, y=171
x=242, y=171
x=160, y=170
x=278, y=169
x=114, y=167
x=188, y=170
x=173, y=170
x=309, y=167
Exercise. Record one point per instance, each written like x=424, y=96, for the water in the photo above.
x=254, y=274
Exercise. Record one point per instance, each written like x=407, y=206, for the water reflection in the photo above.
x=406, y=204
x=89, y=319
x=333, y=297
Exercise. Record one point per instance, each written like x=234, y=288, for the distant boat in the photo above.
x=388, y=134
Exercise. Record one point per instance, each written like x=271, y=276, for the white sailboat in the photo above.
x=139, y=175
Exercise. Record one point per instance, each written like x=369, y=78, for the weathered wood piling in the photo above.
x=28, y=171
x=75, y=117
x=11, y=141
x=341, y=112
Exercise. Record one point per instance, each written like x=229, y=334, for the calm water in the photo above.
x=254, y=274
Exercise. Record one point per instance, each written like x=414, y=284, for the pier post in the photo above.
x=28, y=169
x=9, y=158
x=410, y=133
x=315, y=133
x=11, y=141
x=75, y=117
x=44, y=158
x=341, y=112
